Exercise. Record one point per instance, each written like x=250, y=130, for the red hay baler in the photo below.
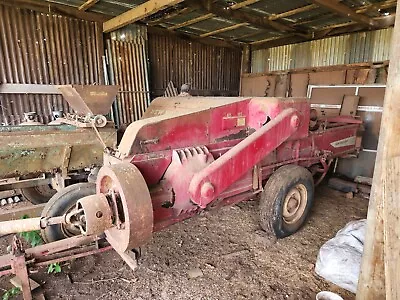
x=188, y=154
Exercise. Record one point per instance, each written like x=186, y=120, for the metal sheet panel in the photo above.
x=210, y=70
x=40, y=48
x=128, y=68
x=372, y=46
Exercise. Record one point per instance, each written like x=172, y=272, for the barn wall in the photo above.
x=42, y=48
x=127, y=61
x=372, y=46
x=210, y=70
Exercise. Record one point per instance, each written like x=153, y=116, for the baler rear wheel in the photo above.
x=286, y=200
x=61, y=203
x=38, y=194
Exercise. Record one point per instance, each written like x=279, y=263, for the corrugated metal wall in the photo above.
x=45, y=49
x=372, y=46
x=128, y=68
x=210, y=70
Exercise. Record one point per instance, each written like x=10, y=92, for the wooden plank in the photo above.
x=243, y=4
x=229, y=28
x=376, y=6
x=137, y=13
x=170, y=16
x=27, y=88
x=349, y=105
x=192, y=21
x=88, y=4
x=380, y=263
x=293, y=12
x=344, y=10
x=32, y=211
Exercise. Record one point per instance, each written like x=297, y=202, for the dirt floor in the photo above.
x=226, y=249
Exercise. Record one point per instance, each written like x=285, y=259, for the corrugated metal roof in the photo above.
x=303, y=22
x=370, y=46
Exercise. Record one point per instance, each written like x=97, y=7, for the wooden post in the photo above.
x=246, y=59
x=379, y=276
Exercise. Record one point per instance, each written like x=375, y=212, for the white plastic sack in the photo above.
x=339, y=259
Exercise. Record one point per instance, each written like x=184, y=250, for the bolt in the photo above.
x=207, y=190
x=295, y=121
x=99, y=214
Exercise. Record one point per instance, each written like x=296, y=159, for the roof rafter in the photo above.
x=211, y=15
x=293, y=12
x=137, y=13
x=170, y=16
x=343, y=10
x=229, y=28
x=376, y=6
x=192, y=21
x=229, y=14
x=88, y=4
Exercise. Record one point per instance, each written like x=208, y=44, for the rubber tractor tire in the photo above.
x=61, y=203
x=286, y=200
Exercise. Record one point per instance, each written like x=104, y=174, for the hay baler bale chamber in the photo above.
x=37, y=159
x=185, y=155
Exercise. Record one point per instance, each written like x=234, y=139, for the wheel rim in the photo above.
x=295, y=204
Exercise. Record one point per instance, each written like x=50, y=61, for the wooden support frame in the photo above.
x=293, y=12
x=137, y=13
x=380, y=267
x=343, y=10
x=229, y=28
x=376, y=6
x=88, y=4
x=192, y=21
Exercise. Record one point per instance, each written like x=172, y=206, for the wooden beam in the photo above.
x=243, y=4
x=195, y=38
x=293, y=12
x=379, y=275
x=229, y=28
x=241, y=16
x=49, y=7
x=344, y=10
x=171, y=15
x=192, y=21
x=88, y=4
x=376, y=6
x=137, y=13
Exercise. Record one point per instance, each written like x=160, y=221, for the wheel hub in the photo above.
x=294, y=204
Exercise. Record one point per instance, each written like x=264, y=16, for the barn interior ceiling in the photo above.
x=259, y=23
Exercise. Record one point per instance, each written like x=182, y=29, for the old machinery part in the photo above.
x=207, y=184
x=126, y=189
x=94, y=214
x=30, y=119
x=184, y=165
x=62, y=203
x=286, y=200
x=90, y=99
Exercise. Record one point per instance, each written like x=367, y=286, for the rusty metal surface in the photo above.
x=133, y=209
x=37, y=149
x=209, y=70
x=128, y=68
x=90, y=99
x=41, y=48
x=360, y=47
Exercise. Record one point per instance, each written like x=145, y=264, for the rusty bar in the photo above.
x=22, y=225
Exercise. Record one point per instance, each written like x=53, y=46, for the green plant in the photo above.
x=54, y=268
x=31, y=237
x=11, y=293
